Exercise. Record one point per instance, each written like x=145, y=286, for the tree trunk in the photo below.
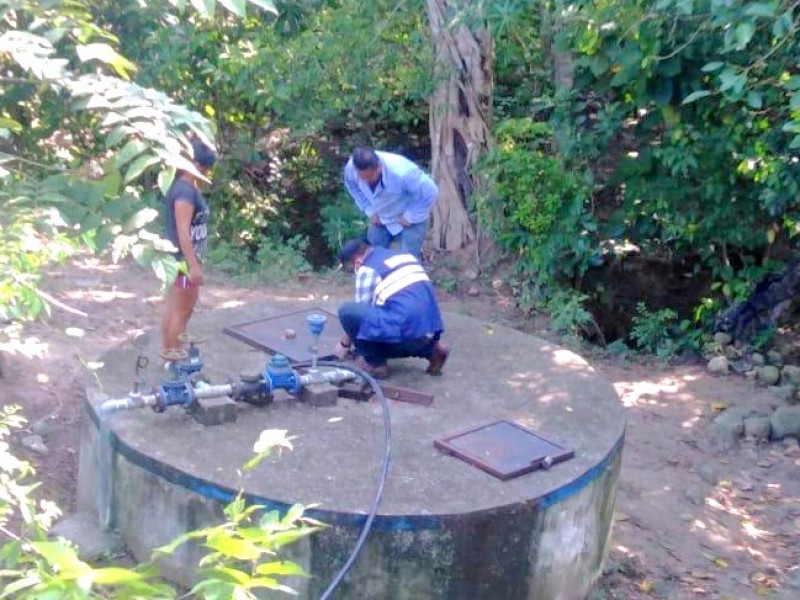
x=460, y=116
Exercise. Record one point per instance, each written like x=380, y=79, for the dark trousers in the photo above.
x=376, y=353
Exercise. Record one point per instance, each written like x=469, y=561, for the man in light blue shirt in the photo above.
x=394, y=193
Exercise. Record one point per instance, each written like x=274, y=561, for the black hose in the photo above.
x=387, y=454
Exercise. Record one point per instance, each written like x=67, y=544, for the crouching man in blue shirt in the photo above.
x=395, y=313
x=394, y=193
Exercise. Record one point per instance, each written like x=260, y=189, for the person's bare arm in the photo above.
x=184, y=211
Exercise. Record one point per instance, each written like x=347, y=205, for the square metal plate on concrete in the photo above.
x=270, y=335
x=504, y=449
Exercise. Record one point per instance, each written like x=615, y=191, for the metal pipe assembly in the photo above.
x=181, y=388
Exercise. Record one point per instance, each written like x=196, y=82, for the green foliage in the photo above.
x=367, y=64
x=29, y=240
x=244, y=552
x=538, y=208
x=341, y=221
x=275, y=261
x=698, y=107
x=654, y=332
x=567, y=312
x=33, y=566
x=90, y=134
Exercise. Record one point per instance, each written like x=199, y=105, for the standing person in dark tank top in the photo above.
x=187, y=216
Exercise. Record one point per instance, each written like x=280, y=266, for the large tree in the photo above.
x=460, y=113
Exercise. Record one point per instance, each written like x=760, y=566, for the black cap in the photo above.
x=350, y=249
x=202, y=154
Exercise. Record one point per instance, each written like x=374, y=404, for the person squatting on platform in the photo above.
x=395, y=313
x=394, y=193
x=187, y=216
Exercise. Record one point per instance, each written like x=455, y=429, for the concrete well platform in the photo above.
x=445, y=529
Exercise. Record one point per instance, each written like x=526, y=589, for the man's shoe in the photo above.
x=438, y=358
x=379, y=372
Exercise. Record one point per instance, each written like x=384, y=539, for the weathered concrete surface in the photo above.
x=445, y=529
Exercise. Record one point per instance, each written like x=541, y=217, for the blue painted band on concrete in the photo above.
x=225, y=494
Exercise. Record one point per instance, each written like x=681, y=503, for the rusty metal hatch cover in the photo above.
x=504, y=449
x=270, y=335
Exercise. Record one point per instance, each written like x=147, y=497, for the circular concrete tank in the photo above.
x=445, y=529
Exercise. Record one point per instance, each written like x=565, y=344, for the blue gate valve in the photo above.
x=281, y=376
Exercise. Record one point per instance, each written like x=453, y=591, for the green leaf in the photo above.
x=227, y=574
x=139, y=165
x=166, y=270
x=293, y=514
x=12, y=588
x=712, y=66
x=755, y=100
x=140, y=219
x=283, y=538
x=793, y=83
x=165, y=179
x=630, y=66
x=114, y=576
x=112, y=184
x=266, y=5
x=115, y=136
x=732, y=81
x=90, y=222
x=61, y=556
x=783, y=24
x=103, y=238
x=280, y=568
x=695, y=96
x=8, y=123
x=237, y=7
x=760, y=9
x=130, y=151
x=271, y=584
x=744, y=33
x=794, y=101
x=106, y=54
x=233, y=547
x=119, y=208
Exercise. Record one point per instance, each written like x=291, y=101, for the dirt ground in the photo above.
x=690, y=523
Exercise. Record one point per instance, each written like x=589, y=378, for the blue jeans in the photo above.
x=376, y=353
x=410, y=237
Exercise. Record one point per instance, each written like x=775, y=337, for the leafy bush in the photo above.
x=567, y=312
x=538, y=208
x=244, y=552
x=654, y=332
x=341, y=221
x=275, y=260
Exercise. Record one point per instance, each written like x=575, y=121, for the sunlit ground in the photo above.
x=736, y=534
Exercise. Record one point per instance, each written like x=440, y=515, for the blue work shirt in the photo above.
x=404, y=191
x=403, y=304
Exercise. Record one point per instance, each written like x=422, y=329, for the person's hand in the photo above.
x=375, y=219
x=341, y=351
x=404, y=222
x=196, y=274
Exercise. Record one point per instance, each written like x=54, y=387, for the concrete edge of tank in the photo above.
x=552, y=546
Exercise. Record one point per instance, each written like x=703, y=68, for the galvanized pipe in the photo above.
x=202, y=390
x=335, y=375
x=127, y=403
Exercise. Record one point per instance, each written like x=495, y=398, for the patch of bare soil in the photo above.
x=690, y=522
